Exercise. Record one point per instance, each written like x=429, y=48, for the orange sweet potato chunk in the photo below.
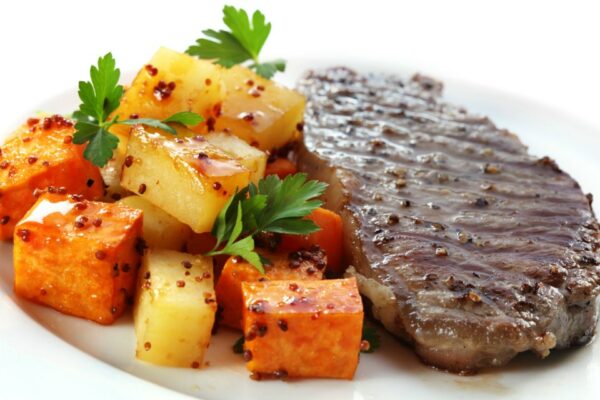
x=300, y=266
x=281, y=167
x=79, y=257
x=41, y=156
x=329, y=238
x=302, y=329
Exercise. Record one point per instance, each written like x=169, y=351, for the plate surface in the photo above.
x=44, y=353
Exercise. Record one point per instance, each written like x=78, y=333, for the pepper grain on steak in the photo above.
x=467, y=246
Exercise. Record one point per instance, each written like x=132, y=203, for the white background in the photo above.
x=545, y=51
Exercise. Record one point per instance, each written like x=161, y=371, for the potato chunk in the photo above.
x=261, y=112
x=302, y=328
x=78, y=257
x=302, y=265
x=170, y=83
x=251, y=158
x=175, y=308
x=187, y=177
x=41, y=156
x=161, y=230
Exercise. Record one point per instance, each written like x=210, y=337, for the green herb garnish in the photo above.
x=274, y=205
x=370, y=335
x=243, y=42
x=99, y=98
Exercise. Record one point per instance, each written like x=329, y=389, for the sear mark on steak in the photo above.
x=466, y=246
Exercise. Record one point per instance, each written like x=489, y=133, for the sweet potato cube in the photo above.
x=298, y=266
x=41, y=156
x=187, y=177
x=302, y=328
x=175, y=308
x=261, y=112
x=329, y=238
x=79, y=257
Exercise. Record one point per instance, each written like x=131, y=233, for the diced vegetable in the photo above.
x=261, y=112
x=302, y=328
x=329, y=238
x=250, y=157
x=41, y=156
x=78, y=257
x=295, y=266
x=187, y=177
x=161, y=230
x=281, y=167
x=200, y=243
x=175, y=308
x=170, y=83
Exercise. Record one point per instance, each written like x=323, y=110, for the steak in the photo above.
x=465, y=245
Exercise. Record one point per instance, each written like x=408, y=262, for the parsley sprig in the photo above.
x=243, y=42
x=274, y=205
x=100, y=97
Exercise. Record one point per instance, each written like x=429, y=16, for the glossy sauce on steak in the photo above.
x=467, y=246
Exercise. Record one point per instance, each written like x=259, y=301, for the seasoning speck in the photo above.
x=282, y=324
x=441, y=252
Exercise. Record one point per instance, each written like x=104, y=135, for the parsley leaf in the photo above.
x=225, y=50
x=268, y=69
x=100, y=97
x=370, y=335
x=251, y=36
x=100, y=147
x=243, y=42
x=274, y=205
x=185, y=118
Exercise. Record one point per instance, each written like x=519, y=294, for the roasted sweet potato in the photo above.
x=302, y=328
x=41, y=156
x=77, y=256
x=329, y=238
x=200, y=243
x=281, y=167
x=298, y=266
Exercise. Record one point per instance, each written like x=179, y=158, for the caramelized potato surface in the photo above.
x=171, y=82
x=187, y=177
x=262, y=112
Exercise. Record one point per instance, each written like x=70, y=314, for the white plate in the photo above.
x=46, y=354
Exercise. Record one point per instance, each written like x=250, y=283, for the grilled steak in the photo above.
x=466, y=246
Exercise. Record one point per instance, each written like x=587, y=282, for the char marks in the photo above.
x=437, y=192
